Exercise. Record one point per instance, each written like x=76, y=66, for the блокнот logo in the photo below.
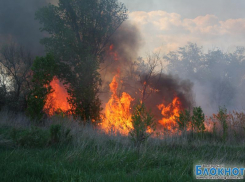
x=204, y=171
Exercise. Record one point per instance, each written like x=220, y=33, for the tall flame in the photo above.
x=170, y=112
x=117, y=111
x=57, y=100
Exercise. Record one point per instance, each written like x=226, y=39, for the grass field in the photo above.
x=97, y=157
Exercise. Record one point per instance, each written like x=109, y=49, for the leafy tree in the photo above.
x=198, y=119
x=79, y=32
x=44, y=69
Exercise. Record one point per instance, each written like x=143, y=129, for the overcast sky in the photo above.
x=168, y=24
x=224, y=9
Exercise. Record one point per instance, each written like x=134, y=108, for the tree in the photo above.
x=147, y=71
x=222, y=117
x=142, y=120
x=186, y=61
x=183, y=119
x=141, y=75
x=213, y=70
x=15, y=64
x=44, y=69
x=198, y=119
x=79, y=32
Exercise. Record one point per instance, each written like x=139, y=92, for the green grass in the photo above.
x=101, y=158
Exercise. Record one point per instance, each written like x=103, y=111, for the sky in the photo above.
x=166, y=25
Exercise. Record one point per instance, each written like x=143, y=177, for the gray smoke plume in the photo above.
x=122, y=59
x=18, y=24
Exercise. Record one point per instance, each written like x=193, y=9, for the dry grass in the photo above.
x=96, y=156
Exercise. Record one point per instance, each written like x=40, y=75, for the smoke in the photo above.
x=122, y=59
x=18, y=24
x=121, y=51
x=218, y=76
x=123, y=48
x=167, y=88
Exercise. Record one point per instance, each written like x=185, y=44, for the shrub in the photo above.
x=59, y=134
x=142, y=121
x=198, y=119
x=183, y=119
x=33, y=137
x=222, y=118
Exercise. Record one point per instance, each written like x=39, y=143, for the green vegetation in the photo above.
x=58, y=148
x=79, y=33
x=34, y=137
x=222, y=117
x=142, y=120
x=97, y=157
x=64, y=150
x=183, y=119
x=198, y=119
x=195, y=121
x=44, y=69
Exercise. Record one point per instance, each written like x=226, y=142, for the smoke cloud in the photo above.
x=18, y=24
x=122, y=59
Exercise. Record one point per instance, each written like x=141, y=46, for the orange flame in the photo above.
x=169, y=113
x=57, y=100
x=117, y=111
x=113, y=53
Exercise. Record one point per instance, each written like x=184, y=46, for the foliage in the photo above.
x=83, y=91
x=198, y=119
x=80, y=31
x=44, y=69
x=222, y=118
x=59, y=134
x=96, y=159
x=142, y=121
x=33, y=137
x=36, y=137
x=183, y=119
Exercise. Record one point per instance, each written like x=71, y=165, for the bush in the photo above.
x=183, y=119
x=198, y=119
x=59, y=134
x=222, y=118
x=33, y=137
x=141, y=121
x=36, y=137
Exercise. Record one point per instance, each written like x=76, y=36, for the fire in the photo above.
x=117, y=111
x=117, y=115
x=57, y=100
x=170, y=112
x=113, y=53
